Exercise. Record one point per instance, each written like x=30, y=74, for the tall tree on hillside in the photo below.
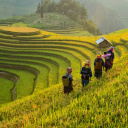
x=65, y=8
x=98, y=32
x=75, y=10
x=91, y=27
x=41, y=11
x=51, y=7
x=38, y=8
x=46, y=4
x=83, y=12
x=63, y=3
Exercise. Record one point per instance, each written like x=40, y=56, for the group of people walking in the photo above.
x=86, y=73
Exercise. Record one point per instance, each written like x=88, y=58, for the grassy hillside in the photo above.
x=102, y=104
x=112, y=17
x=39, y=59
x=51, y=22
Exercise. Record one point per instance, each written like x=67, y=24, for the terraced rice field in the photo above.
x=72, y=31
x=38, y=59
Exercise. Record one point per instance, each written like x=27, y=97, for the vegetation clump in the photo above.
x=70, y=8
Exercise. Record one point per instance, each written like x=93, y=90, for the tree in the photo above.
x=38, y=8
x=42, y=11
x=45, y=5
x=51, y=7
x=74, y=10
x=65, y=8
x=98, y=32
x=83, y=12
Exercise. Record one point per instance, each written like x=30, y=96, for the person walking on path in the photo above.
x=110, y=51
x=107, y=60
x=68, y=86
x=86, y=73
x=98, y=64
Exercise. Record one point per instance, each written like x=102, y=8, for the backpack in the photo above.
x=85, y=73
x=108, y=59
x=98, y=64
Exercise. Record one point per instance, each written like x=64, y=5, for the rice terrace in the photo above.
x=32, y=62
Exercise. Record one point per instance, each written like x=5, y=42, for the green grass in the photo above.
x=50, y=20
x=23, y=83
x=36, y=57
x=102, y=103
x=71, y=32
x=24, y=86
x=19, y=24
x=74, y=47
x=123, y=49
x=52, y=60
x=5, y=93
x=42, y=77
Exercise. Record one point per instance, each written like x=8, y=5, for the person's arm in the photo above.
x=112, y=57
x=71, y=79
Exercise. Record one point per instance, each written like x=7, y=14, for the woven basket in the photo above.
x=65, y=80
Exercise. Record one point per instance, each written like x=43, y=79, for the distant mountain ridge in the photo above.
x=119, y=6
x=106, y=17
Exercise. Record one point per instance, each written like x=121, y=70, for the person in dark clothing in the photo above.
x=86, y=73
x=98, y=64
x=112, y=55
x=69, y=88
x=107, y=60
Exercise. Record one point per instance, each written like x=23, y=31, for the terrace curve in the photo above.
x=29, y=43
x=12, y=77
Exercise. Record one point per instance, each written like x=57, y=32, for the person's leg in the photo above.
x=96, y=74
x=66, y=90
x=99, y=74
x=82, y=82
x=106, y=68
x=110, y=66
x=86, y=83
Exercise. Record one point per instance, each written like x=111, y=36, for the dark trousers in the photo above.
x=107, y=67
x=98, y=73
x=68, y=89
x=85, y=82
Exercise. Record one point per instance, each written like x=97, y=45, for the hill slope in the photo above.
x=32, y=53
x=112, y=17
x=102, y=104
